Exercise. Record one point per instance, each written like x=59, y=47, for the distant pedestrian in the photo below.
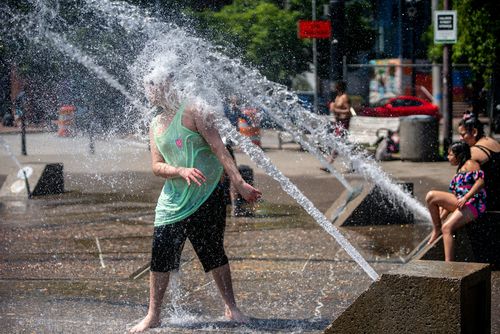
x=7, y=119
x=340, y=108
x=232, y=110
x=450, y=211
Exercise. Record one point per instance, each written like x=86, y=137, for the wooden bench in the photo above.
x=362, y=129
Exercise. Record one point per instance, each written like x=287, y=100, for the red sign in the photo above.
x=315, y=29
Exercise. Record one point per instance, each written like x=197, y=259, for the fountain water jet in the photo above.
x=167, y=39
x=255, y=153
x=173, y=46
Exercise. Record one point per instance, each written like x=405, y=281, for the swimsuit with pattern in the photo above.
x=462, y=183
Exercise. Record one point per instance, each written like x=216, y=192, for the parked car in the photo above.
x=400, y=106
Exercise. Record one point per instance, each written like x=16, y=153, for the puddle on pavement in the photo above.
x=376, y=242
x=387, y=242
x=75, y=207
x=128, y=219
x=92, y=289
x=272, y=216
x=50, y=253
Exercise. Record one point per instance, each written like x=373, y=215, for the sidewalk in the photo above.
x=132, y=156
x=15, y=129
x=67, y=260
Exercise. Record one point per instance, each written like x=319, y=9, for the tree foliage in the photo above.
x=266, y=34
x=478, y=35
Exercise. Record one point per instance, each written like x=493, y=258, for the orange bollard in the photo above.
x=66, y=121
x=252, y=131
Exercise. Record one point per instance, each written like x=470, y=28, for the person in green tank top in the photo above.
x=187, y=151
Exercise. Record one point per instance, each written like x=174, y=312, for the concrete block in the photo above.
x=484, y=239
x=423, y=297
x=371, y=207
x=43, y=179
x=478, y=242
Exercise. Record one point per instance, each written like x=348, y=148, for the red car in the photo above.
x=400, y=106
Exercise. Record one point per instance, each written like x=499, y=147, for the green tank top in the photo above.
x=182, y=147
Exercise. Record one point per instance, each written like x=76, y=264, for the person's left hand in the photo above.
x=249, y=193
x=461, y=202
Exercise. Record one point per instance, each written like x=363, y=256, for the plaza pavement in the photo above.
x=67, y=260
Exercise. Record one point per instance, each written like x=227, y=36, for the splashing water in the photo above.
x=10, y=153
x=201, y=71
x=173, y=49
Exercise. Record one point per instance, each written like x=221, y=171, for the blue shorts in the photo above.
x=204, y=229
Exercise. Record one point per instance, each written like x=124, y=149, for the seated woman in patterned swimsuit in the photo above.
x=465, y=203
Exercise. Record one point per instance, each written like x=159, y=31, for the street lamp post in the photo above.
x=412, y=12
x=337, y=43
x=447, y=90
x=23, y=134
x=315, y=62
x=436, y=72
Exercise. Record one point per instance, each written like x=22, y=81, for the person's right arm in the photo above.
x=162, y=169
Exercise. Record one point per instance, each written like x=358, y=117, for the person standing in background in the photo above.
x=340, y=108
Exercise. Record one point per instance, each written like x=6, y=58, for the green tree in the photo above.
x=265, y=34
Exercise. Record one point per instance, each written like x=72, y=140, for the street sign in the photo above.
x=445, y=26
x=314, y=29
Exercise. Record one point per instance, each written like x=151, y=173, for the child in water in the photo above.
x=465, y=203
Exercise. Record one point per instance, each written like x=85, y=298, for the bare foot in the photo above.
x=148, y=322
x=435, y=234
x=236, y=315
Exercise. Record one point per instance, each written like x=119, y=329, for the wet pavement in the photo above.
x=68, y=261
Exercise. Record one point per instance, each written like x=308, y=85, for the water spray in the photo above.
x=244, y=81
x=23, y=172
x=262, y=161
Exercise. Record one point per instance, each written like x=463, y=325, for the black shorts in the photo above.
x=205, y=230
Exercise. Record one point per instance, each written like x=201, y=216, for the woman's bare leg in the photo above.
x=457, y=220
x=222, y=278
x=158, y=283
x=436, y=200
